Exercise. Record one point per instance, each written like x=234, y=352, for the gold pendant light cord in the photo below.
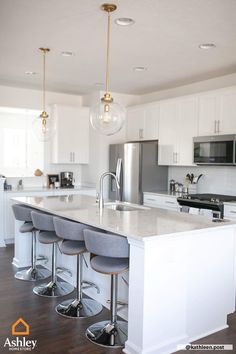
x=108, y=52
x=44, y=78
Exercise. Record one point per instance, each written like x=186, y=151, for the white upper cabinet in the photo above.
x=71, y=141
x=208, y=114
x=177, y=127
x=227, y=117
x=168, y=137
x=188, y=124
x=217, y=112
x=142, y=122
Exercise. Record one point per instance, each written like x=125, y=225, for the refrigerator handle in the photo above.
x=118, y=175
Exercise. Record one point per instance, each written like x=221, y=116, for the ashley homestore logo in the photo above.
x=22, y=329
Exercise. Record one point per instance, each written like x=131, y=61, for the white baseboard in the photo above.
x=160, y=348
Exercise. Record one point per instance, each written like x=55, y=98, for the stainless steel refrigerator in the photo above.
x=136, y=167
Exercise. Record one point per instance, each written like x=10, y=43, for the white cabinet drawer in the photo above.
x=160, y=201
x=230, y=211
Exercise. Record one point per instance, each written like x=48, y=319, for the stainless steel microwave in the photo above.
x=214, y=150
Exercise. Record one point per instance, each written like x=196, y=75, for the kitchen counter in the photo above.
x=47, y=189
x=166, y=193
x=181, y=266
x=139, y=224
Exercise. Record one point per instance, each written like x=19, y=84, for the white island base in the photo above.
x=181, y=274
x=181, y=287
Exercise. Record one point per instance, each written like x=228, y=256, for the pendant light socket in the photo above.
x=108, y=7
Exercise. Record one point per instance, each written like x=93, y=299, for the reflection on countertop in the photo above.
x=167, y=193
x=47, y=189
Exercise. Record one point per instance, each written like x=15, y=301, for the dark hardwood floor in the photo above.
x=55, y=334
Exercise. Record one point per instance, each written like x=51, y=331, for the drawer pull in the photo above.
x=168, y=202
x=151, y=199
x=232, y=212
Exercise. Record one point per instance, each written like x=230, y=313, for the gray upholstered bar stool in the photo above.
x=23, y=213
x=44, y=223
x=111, y=257
x=73, y=244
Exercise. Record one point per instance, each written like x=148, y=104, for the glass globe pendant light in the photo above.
x=43, y=126
x=107, y=116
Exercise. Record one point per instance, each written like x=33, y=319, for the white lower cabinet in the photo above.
x=160, y=201
x=71, y=141
x=230, y=211
x=177, y=127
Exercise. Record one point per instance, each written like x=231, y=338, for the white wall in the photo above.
x=201, y=86
x=32, y=99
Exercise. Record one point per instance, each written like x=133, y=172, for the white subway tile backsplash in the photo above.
x=215, y=179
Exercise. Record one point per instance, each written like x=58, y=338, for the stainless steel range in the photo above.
x=214, y=202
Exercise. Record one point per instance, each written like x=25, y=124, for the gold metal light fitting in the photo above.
x=108, y=7
x=107, y=97
x=44, y=114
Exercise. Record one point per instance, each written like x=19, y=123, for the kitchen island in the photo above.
x=181, y=275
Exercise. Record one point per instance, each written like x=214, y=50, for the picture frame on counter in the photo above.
x=52, y=180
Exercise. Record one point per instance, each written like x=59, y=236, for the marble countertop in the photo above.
x=166, y=193
x=139, y=224
x=47, y=189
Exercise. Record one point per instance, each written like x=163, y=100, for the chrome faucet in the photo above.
x=101, y=199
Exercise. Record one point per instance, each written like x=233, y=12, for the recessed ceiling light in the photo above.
x=30, y=73
x=139, y=68
x=67, y=54
x=207, y=46
x=124, y=21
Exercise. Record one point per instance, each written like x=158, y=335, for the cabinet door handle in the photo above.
x=70, y=156
x=152, y=199
x=140, y=133
x=168, y=202
x=218, y=126
x=232, y=212
x=175, y=157
x=215, y=127
x=73, y=157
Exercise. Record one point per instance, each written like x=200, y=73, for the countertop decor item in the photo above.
x=43, y=125
x=52, y=179
x=107, y=116
x=38, y=172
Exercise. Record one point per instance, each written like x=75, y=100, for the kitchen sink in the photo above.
x=119, y=206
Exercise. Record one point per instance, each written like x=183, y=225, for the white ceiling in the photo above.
x=165, y=39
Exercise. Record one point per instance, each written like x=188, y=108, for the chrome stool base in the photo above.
x=33, y=274
x=108, y=335
x=59, y=288
x=78, y=309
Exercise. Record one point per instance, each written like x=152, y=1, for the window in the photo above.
x=21, y=153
